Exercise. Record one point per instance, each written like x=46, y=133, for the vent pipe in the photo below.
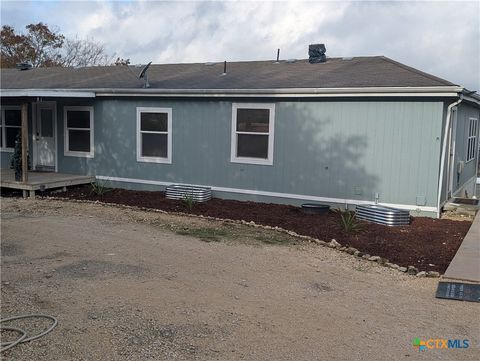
x=278, y=55
x=224, y=68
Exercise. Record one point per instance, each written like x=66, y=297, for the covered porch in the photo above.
x=40, y=181
x=31, y=132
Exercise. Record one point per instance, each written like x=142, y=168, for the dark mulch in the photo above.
x=425, y=241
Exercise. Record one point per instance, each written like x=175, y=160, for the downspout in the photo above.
x=444, y=151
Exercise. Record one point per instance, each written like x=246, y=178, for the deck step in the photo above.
x=459, y=206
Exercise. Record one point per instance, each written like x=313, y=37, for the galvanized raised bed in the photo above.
x=198, y=194
x=383, y=215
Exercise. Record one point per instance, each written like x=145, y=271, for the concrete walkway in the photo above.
x=465, y=265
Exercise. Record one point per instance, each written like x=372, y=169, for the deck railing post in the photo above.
x=24, y=142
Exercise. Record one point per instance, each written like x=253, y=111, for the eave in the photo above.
x=439, y=91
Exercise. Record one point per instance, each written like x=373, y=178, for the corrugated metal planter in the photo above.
x=383, y=215
x=198, y=194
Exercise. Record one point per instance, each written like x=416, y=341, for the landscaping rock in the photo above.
x=402, y=269
x=422, y=274
x=433, y=274
x=382, y=261
x=411, y=270
x=391, y=265
x=358, y=254
x=351, y=250
x=366, y=256
x=374, y=258
x=334, y=244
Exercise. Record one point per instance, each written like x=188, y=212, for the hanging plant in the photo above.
x=16, y=161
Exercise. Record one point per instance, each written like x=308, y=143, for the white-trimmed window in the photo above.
x=10, y=126
x=472, y=139
x=252, y=133
x=78, y=125
x=154, y=135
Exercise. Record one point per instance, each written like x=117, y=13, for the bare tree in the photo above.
x=84, y=52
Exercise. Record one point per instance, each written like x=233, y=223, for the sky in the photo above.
x=441, y=37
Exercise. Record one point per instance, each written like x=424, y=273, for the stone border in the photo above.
x=410, y=270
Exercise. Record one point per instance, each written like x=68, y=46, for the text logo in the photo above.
x=440, y=343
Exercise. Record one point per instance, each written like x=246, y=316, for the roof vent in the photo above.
x=278, y=57
x=224, y=68
x=316, y=53
x=24, y=66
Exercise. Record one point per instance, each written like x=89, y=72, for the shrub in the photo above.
x=188, y=201
x=99, y=188
x=349, y=222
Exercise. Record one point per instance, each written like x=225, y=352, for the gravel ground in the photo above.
x=134, y=285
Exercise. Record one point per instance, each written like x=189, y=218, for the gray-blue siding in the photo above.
x=335, y=149
x=461, y=117
x=464, y=113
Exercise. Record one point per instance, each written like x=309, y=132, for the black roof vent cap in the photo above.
x=24, y=66
x=316, y=53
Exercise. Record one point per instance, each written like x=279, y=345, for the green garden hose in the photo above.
x=8, y=345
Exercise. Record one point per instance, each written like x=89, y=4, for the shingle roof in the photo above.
x=354, y=72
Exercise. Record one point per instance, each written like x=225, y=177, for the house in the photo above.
x=332, y=130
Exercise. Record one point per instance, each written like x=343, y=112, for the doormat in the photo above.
x=469, y=201
x=459, y=291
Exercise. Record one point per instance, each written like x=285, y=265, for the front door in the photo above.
x=44, y=142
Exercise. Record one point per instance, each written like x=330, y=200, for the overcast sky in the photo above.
x=442, y=38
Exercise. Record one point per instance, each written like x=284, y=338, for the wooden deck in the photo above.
x=465, y=266
x=42, y=180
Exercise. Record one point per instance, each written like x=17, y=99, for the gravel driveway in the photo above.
x=134, y=285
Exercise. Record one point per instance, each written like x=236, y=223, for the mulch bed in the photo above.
x=428, y=244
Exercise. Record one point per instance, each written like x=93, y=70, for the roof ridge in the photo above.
x=263, y=61
x=130, y=66
x=414, y=70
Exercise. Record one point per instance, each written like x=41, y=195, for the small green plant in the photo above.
x=349, y=222
x=99, y=188
x=188, y=201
